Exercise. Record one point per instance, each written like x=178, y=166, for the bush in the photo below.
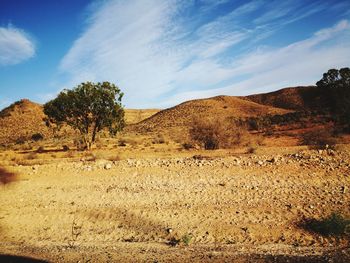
x=41, y=149
x=333, y=225
x=79, y=143
x=319, y=139
x=37, y=137
x=251, y=149
x=122, y=143
x=215, y=134
x=65, y=148
x=187, y=146
x=186, y=239
x=158, y=140
x=21, y=140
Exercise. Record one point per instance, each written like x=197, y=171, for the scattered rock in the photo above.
x=107, y=166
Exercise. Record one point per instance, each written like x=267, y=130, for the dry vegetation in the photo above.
x=223, y=179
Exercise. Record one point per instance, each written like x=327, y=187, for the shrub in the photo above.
x=186, y=239
x=90, y=157
x=215, y=134
x=41, y=149
x=319, y=139
x=122, y=143
x=65, y=148
x=251, y=149
x=31, y=156
x=158, y=140
x=333, y=225
x=114, y=158
x=37, y=137
x=174, y=242
x=79, y=143
x=21, y=140
x=187, y=146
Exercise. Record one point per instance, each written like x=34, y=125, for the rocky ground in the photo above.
x=241, y=208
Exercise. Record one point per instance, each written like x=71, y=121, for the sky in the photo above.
x=163, y=52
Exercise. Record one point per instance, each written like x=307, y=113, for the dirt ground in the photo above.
x=213, y=206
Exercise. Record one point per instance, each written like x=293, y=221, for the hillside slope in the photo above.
x=21, y=120
x=133, y=116
x=220, y=106
x=294, y=98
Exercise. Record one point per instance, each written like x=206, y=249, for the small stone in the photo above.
x=107, y=166
x=343, y=189
x=274, y=160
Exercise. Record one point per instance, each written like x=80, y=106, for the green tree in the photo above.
x=336, y=86
x=88, y=108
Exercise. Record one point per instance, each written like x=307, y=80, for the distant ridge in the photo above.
x=293, y=98
x=24, y=118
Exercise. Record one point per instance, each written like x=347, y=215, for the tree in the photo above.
x=336, y=86
x=88, y=108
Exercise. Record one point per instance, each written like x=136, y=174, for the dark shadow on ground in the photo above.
x=6, y=176
x=19, y=259
x=307, y=259
x=43, y=151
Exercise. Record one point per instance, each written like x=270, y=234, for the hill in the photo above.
x=133, y=116
x=220, y=106
x=21, y=120
x=24, y=118
x=293, y=98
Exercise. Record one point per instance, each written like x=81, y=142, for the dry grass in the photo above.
x=319, y=139
x=218, y=133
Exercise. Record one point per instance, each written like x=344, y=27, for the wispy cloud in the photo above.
x=15, y=46
x=160, y=57
x=300, y=63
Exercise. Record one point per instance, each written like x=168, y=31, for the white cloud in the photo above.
x=15, y=46
x=300, y=63
x=139, y=46
x=121, y=45
x=158, y=58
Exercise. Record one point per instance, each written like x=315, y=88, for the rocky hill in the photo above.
x=294, y=98
x=24, y=118
x=220, y=106
x=21, y=120
x=133, y=116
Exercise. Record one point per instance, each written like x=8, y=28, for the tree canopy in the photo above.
x=88, y=108
x=336, y=85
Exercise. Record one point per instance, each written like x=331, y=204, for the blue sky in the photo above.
x=163, y=52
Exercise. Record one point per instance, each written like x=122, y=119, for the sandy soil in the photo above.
x=244, y=208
